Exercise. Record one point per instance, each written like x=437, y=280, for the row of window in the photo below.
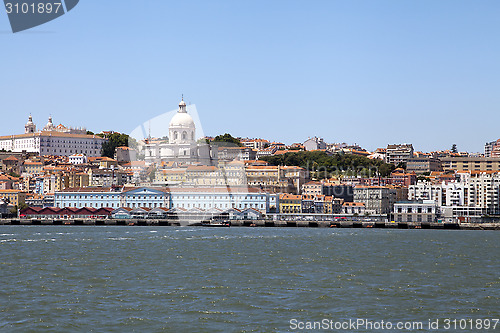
x=157, y=205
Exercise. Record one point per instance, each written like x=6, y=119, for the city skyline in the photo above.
x=366, y=73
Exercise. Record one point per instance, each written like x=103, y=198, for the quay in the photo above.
x=256, y=223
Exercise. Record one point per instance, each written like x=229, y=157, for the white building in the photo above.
x=52, y=140
x=314, y=144
x=181, y=198
x=181, y=145
x=416, y=211
x=77, y=159
x=377, y=199
x=477, y=193
x=399, y=153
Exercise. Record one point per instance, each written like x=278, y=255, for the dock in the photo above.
x=257, y=223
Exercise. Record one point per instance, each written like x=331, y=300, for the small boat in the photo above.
x=216, y=224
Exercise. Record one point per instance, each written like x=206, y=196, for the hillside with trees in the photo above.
x=116, y=140
x=322, y=165
x=226, y=140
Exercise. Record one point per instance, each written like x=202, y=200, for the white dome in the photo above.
x=182, y=119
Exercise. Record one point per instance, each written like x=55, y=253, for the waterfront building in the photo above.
x=377, y=199
x=223, y=198
x=97, y=197
x=5, y=207
x=425, y=190
x=416, y=211
x=351, y=208
x=444, y=194
x=178, y=197
x=483, y=191
x=290, y=203
x=344, y=192
x=14, y=197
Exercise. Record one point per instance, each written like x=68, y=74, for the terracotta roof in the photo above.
x=10, y=191
x=262, y=167
x=313, y=183
x=52, y=134
x=290, y=196
x=135, y=163
x=201, y=168
x=353, y=204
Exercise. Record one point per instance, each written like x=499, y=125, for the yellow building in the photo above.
x=33, y=168
x=15, y=197
x=170, y=176
x=290, y=203
x=78, y=179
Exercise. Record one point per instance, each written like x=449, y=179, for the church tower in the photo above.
x=30, y=127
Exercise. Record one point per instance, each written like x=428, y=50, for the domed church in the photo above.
x=182, y=145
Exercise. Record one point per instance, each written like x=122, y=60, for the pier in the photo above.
x=255, y=223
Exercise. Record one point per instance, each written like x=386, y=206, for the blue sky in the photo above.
x=366, y=72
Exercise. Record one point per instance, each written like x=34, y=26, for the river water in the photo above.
x=195, y=279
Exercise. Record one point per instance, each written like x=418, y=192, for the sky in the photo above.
x=368, y=72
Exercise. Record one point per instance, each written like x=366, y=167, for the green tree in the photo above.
x=226, y=140
x=322, y=165
x=13, y=174
x=454, y=148
x=116, y=140
x=152, y=175
x=401, y=165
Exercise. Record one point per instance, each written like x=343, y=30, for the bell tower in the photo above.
x=30, y=127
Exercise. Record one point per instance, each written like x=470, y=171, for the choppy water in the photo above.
x=148, y=279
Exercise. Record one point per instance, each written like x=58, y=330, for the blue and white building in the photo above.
x=97, y=197
x=171, y=198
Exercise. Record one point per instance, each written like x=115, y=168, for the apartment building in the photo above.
x=398, y=153
x=423, y=165
x=377, y=199
x=471, y=163
x=416, y=211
